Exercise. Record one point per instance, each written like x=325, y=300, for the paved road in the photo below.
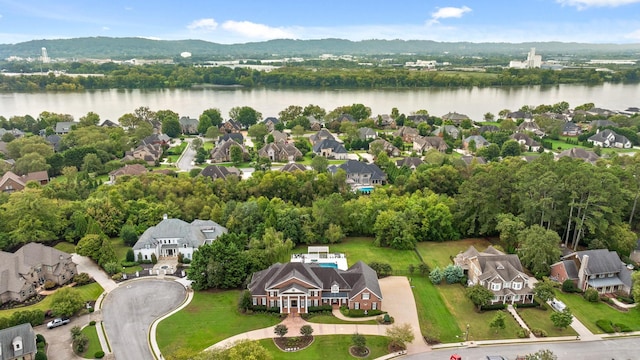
x=618, y=349
x=129, y=310
x=185, y=162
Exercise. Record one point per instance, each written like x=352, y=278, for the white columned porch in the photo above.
x=280, y=298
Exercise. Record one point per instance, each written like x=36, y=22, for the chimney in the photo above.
x=582, y=276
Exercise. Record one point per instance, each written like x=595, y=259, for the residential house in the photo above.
x=280, y=152
x=366, y=133
x=221, y=172
x=64, y=127
x=345, y=117
x=388, y=147
x=331, y=149
x=579, y=153
x=454, y=118
x=610, y=139
x=360, y=173
x=54, y=140
x=417, y=118
x=237, y=137
x=519, y=115
x=15, y=132
x=601, y=112
x=156, y=139
x=10, y=182
x=530, y=126
x=526, y=141
x=408, y=134
x=479, y=140
x=293, y=166
x=600, y=269
x=271, y=123
x=130, y=170
x=109, y=123
x=18, y=343
x=597, y=124
x=174, y=236
x=422, y=144
x=23, y=272
x=488, y=128
x=188, y=125
x=471, y=160
x=322, y=134
x=314, y=124
x=294, y=287
x=222, y=151
x=450, y=130
x=409, y=162
x=278, y=136
x=150, y=153
x=3, y=148
x=499, y=272
x=571, y=129
x=231, y=126
x=386, y=121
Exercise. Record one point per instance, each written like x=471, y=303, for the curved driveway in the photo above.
x=129, y=310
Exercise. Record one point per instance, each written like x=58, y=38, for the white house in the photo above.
x=610, y=139
x=173, y=236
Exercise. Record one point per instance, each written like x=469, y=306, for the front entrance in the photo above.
x=294, y=303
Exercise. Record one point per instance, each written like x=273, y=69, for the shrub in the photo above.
x=129, y=263
x=154, y=259
x=129, y=235
x=493, y=307
x=527, y=305
x=605, y=325
x=626, y=300
x=523, y=333
x=92, y=323
x=306, y=330
x=618, y=327
x=539, y=332
x=591, y=295
x=322, y=308
x=569, y=286
x=82, y=279
x=40, y=355
x=180, y=258
x=131, y=257
x=117, y=277
x=99, y=354
x=186, y=261
x=452, y=274
x=111, y=267
x=423, y=269
x=49, y=284
x=361, y=313
x=436, y=276
x=40, y=339
x=382, y=269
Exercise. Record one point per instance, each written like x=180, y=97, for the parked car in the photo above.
x=57, y=322
x=558, y=305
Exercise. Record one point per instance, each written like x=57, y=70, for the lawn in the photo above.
x=208, y=319
x=329, y=346
x=94, y=343
x=588, y=313
x=67, y=247
x=88, y=292
x=563, y=145
x=439, y=253
x=436, y=321
x=541, y=319
x=465, y=313
x=330, y=319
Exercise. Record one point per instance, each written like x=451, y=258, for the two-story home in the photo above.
x=130, y=170
x=386, y=146
x=331, y=149
x=600, y=269
x=231, y=126
x=280, y=152
x=322, y=134
x=450, y=130
x=526, y=141
x=22, y=272
x=18, y=343
x=188, y=125
x=571, y=129
x=479, y=140
x=10, y=182
x=610, y=139
x=174, y=236
x=455, y=118
x=360, y=173
x=366, y=133
x=271, y=123
x=294, y=287
x=499, y=272
x=150, y=153
x=221, y=172
x=422, y=144
x=222, y=151
x=408, y=134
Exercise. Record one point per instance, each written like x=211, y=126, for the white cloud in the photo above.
x=448, y=12
x=256, y=31
x=204, y=25
x=635, y=35
x=106, y=28
x=583, y=4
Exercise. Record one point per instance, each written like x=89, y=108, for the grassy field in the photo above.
x=436, y=321
x=563, y=145
x=439, y=253
x=541, y=319
x=329, y=346
x=209, y=318
x=94, y=343
x=88, y=292
x=588, y=313
x=330, y=319
x=67, y=247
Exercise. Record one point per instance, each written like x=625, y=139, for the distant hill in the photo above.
x=127, y=48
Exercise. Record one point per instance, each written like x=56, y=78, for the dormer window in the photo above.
x=17, y=345
x=516, y=286
x=495, y=286
x=335, y=289
x=500, y=267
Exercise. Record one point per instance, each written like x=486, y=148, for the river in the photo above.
x=474, y=102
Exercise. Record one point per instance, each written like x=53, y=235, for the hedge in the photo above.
x=527, y=305
x=360, y=313
x=264, y=308
x=99, y=354
x=322, y=308
x=605, y=325
x=493, y=307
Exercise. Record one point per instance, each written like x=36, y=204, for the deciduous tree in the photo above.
x=539, y=249
x=66, y=302
x=479, y=295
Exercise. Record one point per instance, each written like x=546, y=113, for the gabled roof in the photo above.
x=271, y=119
x=193, y=235
x=519, y=115
x=187, y=121
x=368, y=279
x=322, y=134
x=469, y=159
x=366, y=132
x=479, y=140
x=609, y=134
x=410, y=162
x=109, y=123
x=406, y=131
x=237, y=137
x=132, y=169
x=601, y=261
x=579, y=153
x=291, y=167
x=488, y=128
x=601, y=123
x=335, y=146
x=358, y=167
x=220, y=172
x=63, y=127
x=345, y=117
x=454, y=116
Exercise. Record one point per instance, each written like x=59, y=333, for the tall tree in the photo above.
x=246, y=115
x=214, y=116
x=539, y=249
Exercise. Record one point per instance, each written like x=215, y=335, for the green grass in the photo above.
x=465, y=313
x=563, y=145
x=208, y=319
x=439, y=253
x=67, y=247
x=328, y=347
x=436, y=320
x=588, y=313
x=330, y=319
x=88, y=292
x=120, y=248
x=541, y=319
x=94, y=343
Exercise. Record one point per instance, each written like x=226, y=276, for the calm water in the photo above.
x=474, y=102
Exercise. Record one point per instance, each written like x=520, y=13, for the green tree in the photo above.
x=212, y=132
x=258, y=132
x=66, y=302
x=281, y=330
x=196, y=144
x=490, y=152
x=544, y=290
x=306, y=330
x=319, y=164
x=509, y=227
x=235, y=153
x=248, y=350
x=452, y=274
x=436, y=276
x=543, y=354
x=360, y=343
x=562, y=319
x=30, y=162
x=479, y=295
x=91, y=119
x=297, y=131
x=290, y=113
x=246, y=115
x=539, y=249
x=498, y=321
x=91, y=163
x=334, y=234
x=129, y=235
x=400, y=334
x=510, y=148
x=214, y=116
x=171, y=127
x=635, y=290
x=204, y=123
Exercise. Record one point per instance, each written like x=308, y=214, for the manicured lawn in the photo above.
x=541, y=319
x=436, y=321
x=588, y=313
x=120, y=248
x=330, y=319
x=209, y=318
x=329, y=347
x=87, y=292
x=563, y=145
x=439, y=253
x=67, y=247
x=465, y=313
x=94, y=343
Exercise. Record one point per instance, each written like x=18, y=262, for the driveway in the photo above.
x=129, y=311
x=59, y=339
x=185, y=162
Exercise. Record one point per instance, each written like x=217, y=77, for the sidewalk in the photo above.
x=521, y=322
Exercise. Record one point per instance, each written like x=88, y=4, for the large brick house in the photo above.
x=600, y=269
x=294, y=287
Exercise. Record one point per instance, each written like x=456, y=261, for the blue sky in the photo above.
x=592, y=21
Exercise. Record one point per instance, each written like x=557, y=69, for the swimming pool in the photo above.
x=366, y=189
x=328, y=265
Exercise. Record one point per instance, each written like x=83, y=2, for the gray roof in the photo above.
x=410, y=162
x=237, y=137
x=22, y=332
x=366, y=132
x=193, y=235
x=291, y=167
x=601, y=123
x=601, y=261
x=220, y=172
x=322, y=134
x=336, y=146
x=604, y=135
x=479, y=139
x=579, y=153
x=570, y=268
x=64, y=127
x=358, y=167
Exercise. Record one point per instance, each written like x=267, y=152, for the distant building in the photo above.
x=533, y=61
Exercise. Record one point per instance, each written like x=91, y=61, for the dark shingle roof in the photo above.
x=336, y=146
x=601, y=261
x=358, y=167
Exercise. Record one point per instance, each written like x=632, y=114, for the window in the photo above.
x=610, y=275
x=365, y=296
x=517, y=286
x=495, y=286
x=255, y=301
x=374, y=306
x=335, y=289
x=356, y=305
x=506, y=285
x=272, y=303
x=264, y=301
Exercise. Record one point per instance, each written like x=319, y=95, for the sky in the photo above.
x=241, y=21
